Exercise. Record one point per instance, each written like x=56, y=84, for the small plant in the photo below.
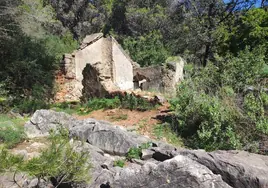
x=136, y=152
x=30, y=106
x=102, y=103
x=163, y=131
x=136, y=103
x=119, y=163
x=60, y=162
x=67, y=107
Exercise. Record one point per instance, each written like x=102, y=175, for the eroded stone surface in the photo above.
x=162, y=165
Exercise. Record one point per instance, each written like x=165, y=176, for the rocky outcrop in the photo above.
x=160, y=165
x=237, y=168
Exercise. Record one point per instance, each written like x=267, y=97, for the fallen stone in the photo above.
x=146, y=154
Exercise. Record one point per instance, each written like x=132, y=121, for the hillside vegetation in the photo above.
x=221, y=104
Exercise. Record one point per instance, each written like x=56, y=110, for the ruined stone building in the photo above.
x=100, y=66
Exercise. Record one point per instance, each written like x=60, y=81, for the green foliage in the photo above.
x=119, y=163
x=132, y=102
x=30, y=106
x=61, y=161
x=206, y=121
x=165, y=133
x=147, y=50
x=56, y=46
x=8, y=162
x=136, y=152
x=207, y=112
x=67, y=107
x=100, y=103
x=127, y=101
x=243, y=70
x=264, y=72
x=11, y=131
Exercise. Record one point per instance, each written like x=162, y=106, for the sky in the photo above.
x=258, y=4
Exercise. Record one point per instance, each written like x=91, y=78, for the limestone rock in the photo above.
x=177, y=172
x=112, y=140
x=162, y=165
x=44, y=120
x=239, y=169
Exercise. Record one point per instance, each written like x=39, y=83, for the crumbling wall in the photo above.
x=159, y=78
x=101, y=66
x=106, y=59
x=148, y=78
x=92, y=84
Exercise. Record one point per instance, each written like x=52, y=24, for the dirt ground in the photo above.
x=143, y=122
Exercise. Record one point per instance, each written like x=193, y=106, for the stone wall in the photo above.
x=101, y=66
x=160, y=78
x=97, y=56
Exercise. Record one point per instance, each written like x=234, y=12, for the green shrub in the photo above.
x=119, y=163
x=164, y=131
x=9, y=162
x=60, y=162
x=147, y=50
x=67, y=107
x=11, y=131
x=132, y=102
x=128, y=101
x=100, y=103
x=30, y=106
x=206, y=121
x=136, y=152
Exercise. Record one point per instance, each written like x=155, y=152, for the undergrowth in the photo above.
x=11, y=130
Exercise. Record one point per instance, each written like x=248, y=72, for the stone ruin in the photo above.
x=100, y=66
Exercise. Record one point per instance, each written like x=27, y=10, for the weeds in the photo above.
x=11, y=131
x=136, y=152
x=164, y=132
x=119, y=163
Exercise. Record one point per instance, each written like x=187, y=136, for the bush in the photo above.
x=30, y=106
x=8, y=162
x=119, y=163
x=214, y=109
x=11, y=131
x=146, y=50
x=136, y=152
x=128, y=101
x=165, y=132
x=60, y=162
x=100, y=103
x=206, y=121
x=132, y=102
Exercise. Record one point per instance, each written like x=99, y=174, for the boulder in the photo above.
x=44, y=120
x=239, y=169
x=111, y=139
x=162, y=165
x=177, y=172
